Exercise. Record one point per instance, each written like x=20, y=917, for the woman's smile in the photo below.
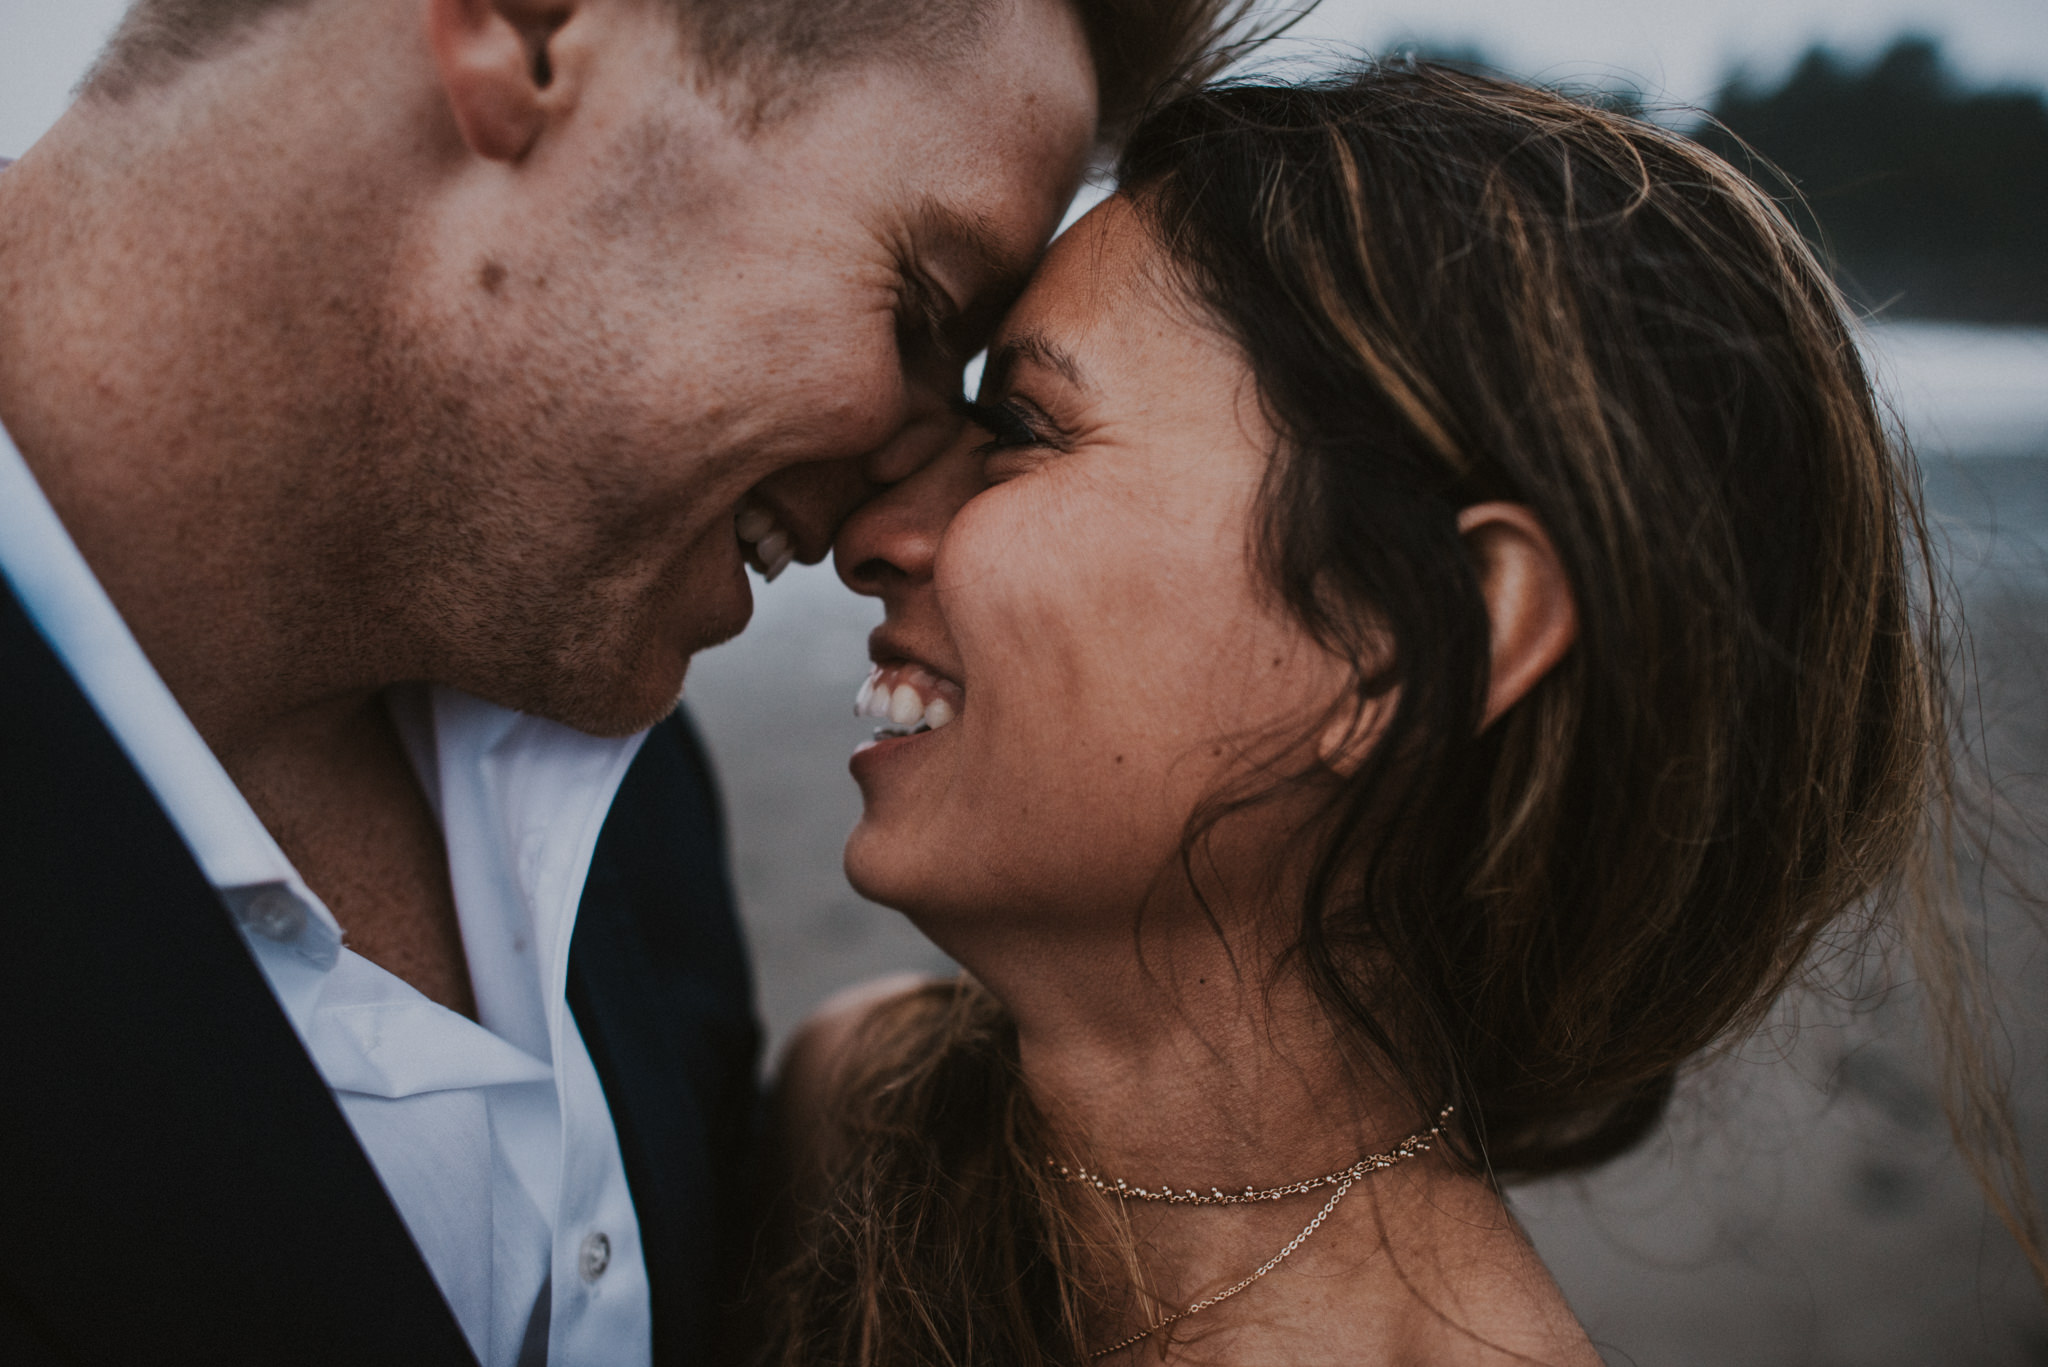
x=1355, y=664
x=1079, y=554
x=909, y=699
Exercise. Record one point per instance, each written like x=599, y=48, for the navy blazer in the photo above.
x=177, y=1185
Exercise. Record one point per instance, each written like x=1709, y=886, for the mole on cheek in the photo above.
x=491, y=277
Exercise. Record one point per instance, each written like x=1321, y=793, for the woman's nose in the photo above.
x=892, y=540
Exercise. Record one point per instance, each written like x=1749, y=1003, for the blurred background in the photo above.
x=1803, y=1204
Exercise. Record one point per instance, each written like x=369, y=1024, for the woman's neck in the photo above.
x=1171, y=1044
x=1178, y=1050
x=1198, y=1066
x=1189, y=1062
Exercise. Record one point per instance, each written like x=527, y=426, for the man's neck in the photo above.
x=178, y=379
x=338, y=794
x=154, y=367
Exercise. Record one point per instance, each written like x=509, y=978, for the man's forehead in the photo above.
x=1014, y=124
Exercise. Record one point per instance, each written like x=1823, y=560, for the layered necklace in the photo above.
x=1167, y=1194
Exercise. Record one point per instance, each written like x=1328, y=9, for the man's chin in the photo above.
x=615, y=684
x=632, y=710
x=598, y=702
x=620, y=723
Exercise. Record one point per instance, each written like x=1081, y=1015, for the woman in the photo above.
x=1417, y=642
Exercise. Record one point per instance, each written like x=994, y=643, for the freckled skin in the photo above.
x=1096, y=598
x=417, y=412
x=1100, y=607
x=694, y=313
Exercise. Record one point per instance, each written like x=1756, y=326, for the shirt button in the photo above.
x=274, y=914
x=595, y=1257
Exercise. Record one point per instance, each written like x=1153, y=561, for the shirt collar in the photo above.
x=521, y=800
x=292, y=933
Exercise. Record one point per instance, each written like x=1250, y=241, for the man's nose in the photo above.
x=892, y=541
x=815, y=498
x=812, y=499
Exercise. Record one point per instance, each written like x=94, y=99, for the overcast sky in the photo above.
x=1681, y=50
x=1677, y=49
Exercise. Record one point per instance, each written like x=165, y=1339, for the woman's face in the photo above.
x=1073, y=607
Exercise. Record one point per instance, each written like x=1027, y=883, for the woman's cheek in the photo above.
x=1064, y=776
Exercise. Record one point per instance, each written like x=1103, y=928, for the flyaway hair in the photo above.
x=1453, y=289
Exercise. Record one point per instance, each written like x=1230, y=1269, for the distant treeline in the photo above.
x=1931, y=199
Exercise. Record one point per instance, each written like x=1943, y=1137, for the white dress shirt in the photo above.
x=492, y=1136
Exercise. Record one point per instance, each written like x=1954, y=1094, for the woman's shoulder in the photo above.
x=1476, y=1293
x=842, y=1049
x=825, y=1048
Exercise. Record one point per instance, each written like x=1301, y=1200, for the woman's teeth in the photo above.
x=755, y=525
x=908, y=698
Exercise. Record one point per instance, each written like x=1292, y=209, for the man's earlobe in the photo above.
x=498, y=68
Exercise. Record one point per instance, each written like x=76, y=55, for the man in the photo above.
x=395, y=391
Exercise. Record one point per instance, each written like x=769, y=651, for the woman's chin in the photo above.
x=898, y=868
x=877, y=864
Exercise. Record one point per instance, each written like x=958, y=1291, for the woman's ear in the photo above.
x=497, y=64
x=1352, y=729
x=1528, y=598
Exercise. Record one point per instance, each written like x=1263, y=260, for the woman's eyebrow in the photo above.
x=1039, y=349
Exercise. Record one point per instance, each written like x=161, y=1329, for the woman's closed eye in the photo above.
x=1013, y=425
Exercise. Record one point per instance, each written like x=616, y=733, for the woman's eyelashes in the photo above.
x=1012, y=425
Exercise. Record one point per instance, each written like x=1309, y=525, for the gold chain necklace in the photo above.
x=1343, y=1179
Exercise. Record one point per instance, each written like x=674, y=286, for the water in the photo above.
x=1802, y=1206
x=1974, y=393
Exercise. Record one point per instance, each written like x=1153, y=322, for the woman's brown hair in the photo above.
x=1453, y=289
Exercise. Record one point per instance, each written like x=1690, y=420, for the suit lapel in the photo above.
x=180, y=1185
x=659, y=983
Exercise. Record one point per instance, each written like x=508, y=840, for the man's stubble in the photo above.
x=477, y=526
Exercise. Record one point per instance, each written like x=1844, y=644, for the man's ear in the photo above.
x=1528, y=598
x=498, y=68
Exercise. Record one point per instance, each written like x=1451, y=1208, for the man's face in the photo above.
x=595, y=354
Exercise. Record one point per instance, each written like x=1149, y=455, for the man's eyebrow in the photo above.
x=1038, y=348
x=1002, y=268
